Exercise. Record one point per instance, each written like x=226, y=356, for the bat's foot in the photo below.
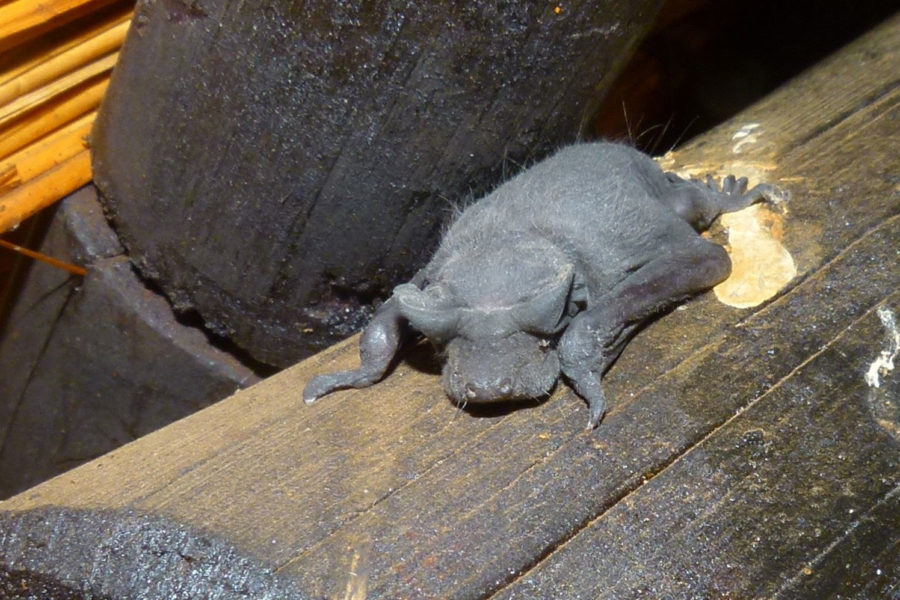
x=734, y=195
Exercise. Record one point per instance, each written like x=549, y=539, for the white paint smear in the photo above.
x=746, y=135
x=884, y=364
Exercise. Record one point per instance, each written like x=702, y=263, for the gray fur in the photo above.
x=551, y=273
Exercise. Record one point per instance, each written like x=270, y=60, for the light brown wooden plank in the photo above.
x=768, y=505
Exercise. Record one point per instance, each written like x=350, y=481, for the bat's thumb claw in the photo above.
x=597, y=411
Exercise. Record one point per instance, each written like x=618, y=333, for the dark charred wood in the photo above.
x=277, y=170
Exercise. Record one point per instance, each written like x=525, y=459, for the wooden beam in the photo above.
x=744, y=454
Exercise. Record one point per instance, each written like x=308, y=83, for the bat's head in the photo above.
x=488, y=369
x=499, y=332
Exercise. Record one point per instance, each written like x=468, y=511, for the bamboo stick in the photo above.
x=48, y=103
x=27, y=199
x=20, y=81
x=46, y=153
x=22, y=18
x=51, y=117
x=34, y=52
x=36, y=98
x=55, y=262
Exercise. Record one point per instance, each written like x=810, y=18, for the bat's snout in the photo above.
x=517, y=367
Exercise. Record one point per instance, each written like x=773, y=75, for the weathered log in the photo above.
x=87, y=365
x=278, y=170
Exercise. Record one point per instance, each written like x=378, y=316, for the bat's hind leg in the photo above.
x=596, y=337
x=700, y=202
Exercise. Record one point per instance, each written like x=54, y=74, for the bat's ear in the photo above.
x=544, y=312
x=431, y=312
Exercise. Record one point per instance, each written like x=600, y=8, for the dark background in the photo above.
x=706, y=60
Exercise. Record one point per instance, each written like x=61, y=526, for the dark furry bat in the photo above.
x=551, y=274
